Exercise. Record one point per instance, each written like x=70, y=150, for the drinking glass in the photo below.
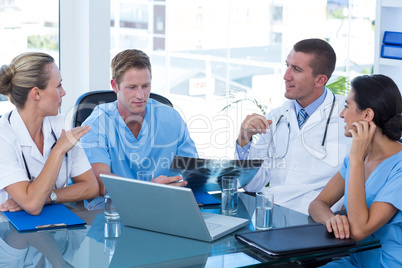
x=145, y=175
x=229, y=195
x=264, y=210
x=110, y=209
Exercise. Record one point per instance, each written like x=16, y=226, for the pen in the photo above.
x=51, y=225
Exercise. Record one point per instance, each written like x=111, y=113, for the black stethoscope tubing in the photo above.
x=326, y=126
x=328, y=121
x=23, y=157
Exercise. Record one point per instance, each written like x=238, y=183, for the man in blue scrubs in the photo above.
x=135, y=133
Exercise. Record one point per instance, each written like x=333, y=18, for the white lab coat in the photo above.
x=15, y=140
x=298, y=177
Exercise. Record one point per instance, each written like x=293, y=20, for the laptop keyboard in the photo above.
x=212, y=226
x=207, y=215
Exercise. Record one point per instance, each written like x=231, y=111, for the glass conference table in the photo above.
x=103, y=243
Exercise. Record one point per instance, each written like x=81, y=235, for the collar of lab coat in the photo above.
x=310, y=109
x=22, y=134
x=321, y=112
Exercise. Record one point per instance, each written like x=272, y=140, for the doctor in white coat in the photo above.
x=37, y=155
x=300, y=152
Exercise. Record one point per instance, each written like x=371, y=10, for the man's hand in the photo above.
x=10, y=205
x=175, y=180
x=253, y=124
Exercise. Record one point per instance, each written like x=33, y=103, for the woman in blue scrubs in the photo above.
x=371, y=177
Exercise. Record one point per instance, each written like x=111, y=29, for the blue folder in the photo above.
x=52, y=216
x=391, y=51
x=205, y=199
x=392, y=38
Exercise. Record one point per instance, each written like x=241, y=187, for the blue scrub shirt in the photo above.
x=163, y=136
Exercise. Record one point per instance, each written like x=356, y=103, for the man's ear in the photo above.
x=114, y=85
x=35, y=93
x=321, y=80
x=368, y=115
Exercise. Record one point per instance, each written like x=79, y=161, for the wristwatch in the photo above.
x=53, y=197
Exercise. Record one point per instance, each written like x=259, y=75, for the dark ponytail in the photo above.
x=381, y=94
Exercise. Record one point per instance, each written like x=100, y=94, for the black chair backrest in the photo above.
x=88, y=101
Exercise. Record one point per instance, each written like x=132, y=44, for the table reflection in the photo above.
x=39, y=249
x=130, y=247
x=112, y=231
x=282, y=217
x=105, y=243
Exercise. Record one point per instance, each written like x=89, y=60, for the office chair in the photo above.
x=88, y=101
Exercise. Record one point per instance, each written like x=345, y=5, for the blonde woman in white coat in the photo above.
x=38, y=155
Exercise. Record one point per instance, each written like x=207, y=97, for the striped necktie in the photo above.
x=301, y=117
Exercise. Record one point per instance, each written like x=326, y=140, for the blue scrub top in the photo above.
x=383, y=185
x=163, y=136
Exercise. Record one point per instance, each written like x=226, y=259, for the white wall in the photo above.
x=84, y=48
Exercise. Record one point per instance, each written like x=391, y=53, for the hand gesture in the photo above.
x=253, y=124
x=68, y=139
x=361, y=139
x=339, y=225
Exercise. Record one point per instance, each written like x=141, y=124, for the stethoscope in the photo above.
x=319, y=153
x=31, y=178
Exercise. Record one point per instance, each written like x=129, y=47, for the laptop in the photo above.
x=166, y=209
x=295, y=240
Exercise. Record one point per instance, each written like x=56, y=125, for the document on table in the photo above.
x=204, y=175
x=52, y=216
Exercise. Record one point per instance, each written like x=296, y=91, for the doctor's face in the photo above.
x=52, y=95
x=351, y=113
x=133, y=92
x=299, y=79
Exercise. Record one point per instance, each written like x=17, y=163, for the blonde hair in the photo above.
x=26, y=71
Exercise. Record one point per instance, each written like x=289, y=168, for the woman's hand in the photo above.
x=10, y=205
x=339, y=225
x=68, y=139
x=361, y=139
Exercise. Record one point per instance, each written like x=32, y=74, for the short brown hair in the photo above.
x=127, y=59
x=324, y=55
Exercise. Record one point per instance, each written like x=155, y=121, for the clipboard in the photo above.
x=295, y=240
x=51, y=216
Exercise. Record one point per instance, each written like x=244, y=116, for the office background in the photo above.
x=205, y=54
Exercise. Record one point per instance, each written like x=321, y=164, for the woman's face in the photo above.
x=351, y=113
x=52, y=95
